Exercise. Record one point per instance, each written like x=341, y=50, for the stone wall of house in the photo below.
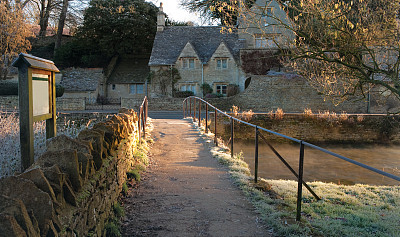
x=70, y=189
x=319, y=129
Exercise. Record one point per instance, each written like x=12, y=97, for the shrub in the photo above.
x=183, y=94
x=8, y=88
x=232, y=90
x=206, y=88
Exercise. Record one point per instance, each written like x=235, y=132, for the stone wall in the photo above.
x=290, y=93
x=70, y=104
x=71, y=188
x=11, y=103
x=319, y=129
x=155, y=104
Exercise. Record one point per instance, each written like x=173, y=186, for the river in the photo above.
x=319, y=166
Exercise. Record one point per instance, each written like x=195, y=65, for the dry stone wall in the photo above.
x=71, y=188
x=352, y=129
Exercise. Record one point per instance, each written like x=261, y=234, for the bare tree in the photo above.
x=13, y=35
x=61, y=24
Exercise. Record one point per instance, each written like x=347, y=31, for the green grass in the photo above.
x=118, y=210
x=134, y=174
x=125, y=189
x=358, y=210
x=112, y=228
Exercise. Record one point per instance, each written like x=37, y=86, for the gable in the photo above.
x=188, y=52
x=222, y=52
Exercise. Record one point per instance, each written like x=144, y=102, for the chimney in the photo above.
x=161, y=18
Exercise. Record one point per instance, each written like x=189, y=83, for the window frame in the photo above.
x=188, y=63
x=135, y=86
x=188, y=87
x=221, y=89
x=220, y=66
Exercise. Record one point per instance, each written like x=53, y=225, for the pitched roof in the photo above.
x=130, y=70
x=81, y=79
x=169, y=43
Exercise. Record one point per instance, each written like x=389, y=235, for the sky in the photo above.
x=177, y=13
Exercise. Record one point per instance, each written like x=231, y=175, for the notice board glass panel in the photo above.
x=40, y=94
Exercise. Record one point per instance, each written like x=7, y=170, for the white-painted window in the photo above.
x=221, y=89
x=222, y=63
x=136, y=89
x=188, y=87
x=188, y=63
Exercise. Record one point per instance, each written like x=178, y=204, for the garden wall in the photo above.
x=71, y=188
x=67, y=104
x=320, y=129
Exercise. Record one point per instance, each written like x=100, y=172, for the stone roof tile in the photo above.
x=169, y=43
x=81, y=79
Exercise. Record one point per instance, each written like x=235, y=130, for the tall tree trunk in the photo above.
x=61, y=23
x=44, y=17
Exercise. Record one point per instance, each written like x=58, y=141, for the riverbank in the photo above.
x=357, y=210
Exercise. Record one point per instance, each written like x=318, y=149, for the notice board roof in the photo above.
x=35, y=62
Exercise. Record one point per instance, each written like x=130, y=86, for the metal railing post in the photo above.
x=232, y=133
x=194, y=109
x=300, y=182
x=190, y=107
x=215, y=127
x=139, y=123
x=185, y=109
x=206, y=118
x=147, y=108
x=199, y=113
x=256, y=157
x=144, y=124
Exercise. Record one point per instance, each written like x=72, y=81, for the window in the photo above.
x=188, y=63
x=136, y=89
x=113, y=87
x=265, y=41
x=222, y=63
x=188, y=87
x=221, y=89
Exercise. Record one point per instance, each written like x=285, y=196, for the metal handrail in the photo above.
x=257, y=133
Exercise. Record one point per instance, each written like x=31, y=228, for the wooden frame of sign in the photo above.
x=37, y=101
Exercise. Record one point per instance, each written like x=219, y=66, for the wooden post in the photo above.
x=26, y=116
x=51, y=125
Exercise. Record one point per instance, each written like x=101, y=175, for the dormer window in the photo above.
x=222, y=63
x=188, y=63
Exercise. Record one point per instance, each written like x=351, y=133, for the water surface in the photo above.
x=319, y=166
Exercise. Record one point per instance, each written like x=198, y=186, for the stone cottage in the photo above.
x=204, y=54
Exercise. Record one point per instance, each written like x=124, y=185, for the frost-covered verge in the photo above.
x=10, y=154
x=358, y=210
